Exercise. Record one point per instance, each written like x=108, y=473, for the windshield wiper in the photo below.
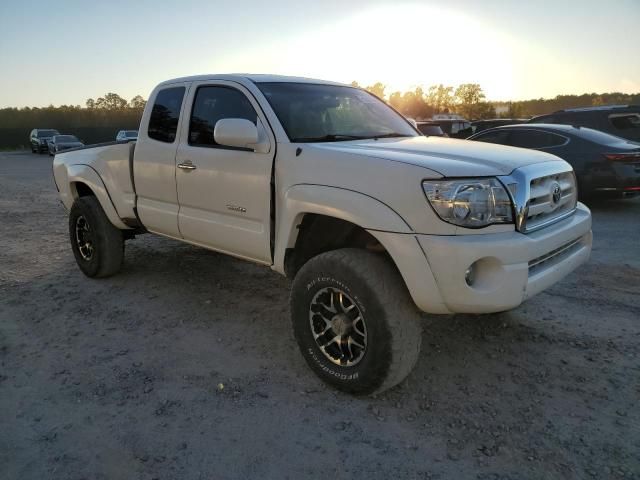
x=390, y=135
x=332, y=137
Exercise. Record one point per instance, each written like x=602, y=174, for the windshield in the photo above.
x=47, y=133
x=66, y=138
x=131, y=133
x=330, y=113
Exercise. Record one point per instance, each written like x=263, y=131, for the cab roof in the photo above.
x=252, y=77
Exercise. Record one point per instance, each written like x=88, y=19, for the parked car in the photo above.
x=430, y=129
x=124, y=135
x=328, y=185
x=58, y=143
x=480, y=125
x=602, y=162
x=39, y=138
x=454, y=126
x=620, y=120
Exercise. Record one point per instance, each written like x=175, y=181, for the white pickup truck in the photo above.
x=328, y=185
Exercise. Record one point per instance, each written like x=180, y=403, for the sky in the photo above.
x=66, y=51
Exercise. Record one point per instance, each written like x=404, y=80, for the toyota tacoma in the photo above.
x=328, y=185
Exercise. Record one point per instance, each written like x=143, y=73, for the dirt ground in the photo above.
x=184, y=366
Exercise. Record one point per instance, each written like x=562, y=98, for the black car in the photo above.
x=454, y=128
x=59, y=143
x=603, y=163
x=430, y=129
x=480, y=125
x=620, y=120
x=39, y=139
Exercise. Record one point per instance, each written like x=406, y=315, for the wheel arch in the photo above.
x=84, y=180
x=302, y=204
x=374, y=226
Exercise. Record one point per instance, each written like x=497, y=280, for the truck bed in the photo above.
x=113, y=166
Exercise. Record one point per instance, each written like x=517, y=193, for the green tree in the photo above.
x=395, y=100
x=137, y=102
x=440, y=98
x=377, y=89
x=90, y=103
x=468, y=97
x=111, y=101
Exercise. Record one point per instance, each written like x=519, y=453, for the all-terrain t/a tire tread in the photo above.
x=404, y=324
x=402, y=317
x=109, y=239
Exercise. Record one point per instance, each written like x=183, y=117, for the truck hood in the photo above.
x=447, y=156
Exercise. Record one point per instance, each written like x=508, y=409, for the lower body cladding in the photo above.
x=489, y=273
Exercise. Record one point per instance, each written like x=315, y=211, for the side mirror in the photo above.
x=235, y=132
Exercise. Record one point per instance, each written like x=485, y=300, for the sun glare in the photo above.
x=400, y=46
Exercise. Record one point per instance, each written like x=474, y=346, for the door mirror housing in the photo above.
x=236, y=132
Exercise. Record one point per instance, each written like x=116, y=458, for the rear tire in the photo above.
x=354, y=320
x=97, y=245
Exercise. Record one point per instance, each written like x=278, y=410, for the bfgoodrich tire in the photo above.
x=97, y=245
x=354, y=321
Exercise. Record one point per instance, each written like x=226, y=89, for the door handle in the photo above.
x=186, y=165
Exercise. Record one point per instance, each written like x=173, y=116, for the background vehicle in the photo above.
x=327, y=184
x=602, y=162
x=39, y=138
x=59, y=143
x=480, y=125
x=620, y=120
x=455, y=126
x=430, y=129
x=127, y=135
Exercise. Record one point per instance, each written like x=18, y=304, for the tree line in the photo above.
x=107, y=111
x=469, y=100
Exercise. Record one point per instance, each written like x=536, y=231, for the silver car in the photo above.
x=126, y=135
x=59, y=143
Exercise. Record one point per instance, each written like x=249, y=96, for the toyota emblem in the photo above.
x=556, y=193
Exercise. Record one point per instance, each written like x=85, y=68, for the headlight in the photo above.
x=472, y=203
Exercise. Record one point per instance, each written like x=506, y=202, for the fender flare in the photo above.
x=351, y=206
x=87, y=175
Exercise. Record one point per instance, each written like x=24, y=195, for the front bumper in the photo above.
x=508, y=267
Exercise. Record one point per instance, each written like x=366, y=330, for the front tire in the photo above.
x=97, y=245
x=354, y=320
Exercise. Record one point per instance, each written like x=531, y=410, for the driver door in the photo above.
x=224, y=193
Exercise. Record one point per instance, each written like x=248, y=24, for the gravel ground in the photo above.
x=184, y=366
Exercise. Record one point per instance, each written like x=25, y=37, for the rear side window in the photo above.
x=625, y=121
x=535, y=139
x=163, y=123
x=212, y=104
x=498, y=136
x=601, y=138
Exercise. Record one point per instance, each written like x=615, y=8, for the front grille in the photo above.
x=554, y=255
x=551, y=198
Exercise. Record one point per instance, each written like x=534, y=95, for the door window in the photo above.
x=212, y=104
x=163, y=123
